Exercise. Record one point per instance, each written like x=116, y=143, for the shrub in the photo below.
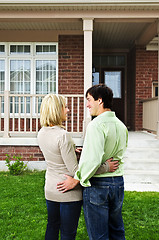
x=15, y=165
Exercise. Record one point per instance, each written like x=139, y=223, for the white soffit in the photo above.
x=41, y=25
x=115, y=34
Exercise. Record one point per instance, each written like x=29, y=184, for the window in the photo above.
x=32, y=69
x=20, y=82
x=45, y=76
x=2, y=49
x=20, y=76
x=2, y=83
x=46, y=49
x=109, y=60
x=2, y=75
x=113, y=80
x=155, y=89
x=19, y=49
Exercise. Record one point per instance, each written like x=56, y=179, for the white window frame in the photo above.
x=154, y=85
x=33, y=57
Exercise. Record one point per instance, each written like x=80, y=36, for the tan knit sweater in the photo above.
x=59, y=152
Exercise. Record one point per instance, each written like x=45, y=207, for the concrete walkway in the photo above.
x=142, y=162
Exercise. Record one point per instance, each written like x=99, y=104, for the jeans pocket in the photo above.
x=99, y=195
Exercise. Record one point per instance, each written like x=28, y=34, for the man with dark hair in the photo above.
x=103, y=194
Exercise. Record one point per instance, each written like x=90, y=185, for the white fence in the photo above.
x=20, y=113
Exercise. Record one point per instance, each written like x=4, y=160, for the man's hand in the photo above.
x=68, y=184
x=78, y=150
x=113, y=165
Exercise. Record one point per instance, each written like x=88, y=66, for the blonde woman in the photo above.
x=59, y=153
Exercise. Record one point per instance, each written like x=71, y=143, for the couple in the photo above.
x=102, y=181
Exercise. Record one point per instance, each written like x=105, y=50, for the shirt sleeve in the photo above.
x=68, y=154
x=126, y=138
x=103, y=168
x=92, y=154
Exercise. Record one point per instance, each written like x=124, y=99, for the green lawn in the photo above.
x=23, y=211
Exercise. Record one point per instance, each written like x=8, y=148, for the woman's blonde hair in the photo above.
x=51, y=110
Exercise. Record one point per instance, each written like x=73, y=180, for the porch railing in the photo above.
x=150, y=114
x=20, y=114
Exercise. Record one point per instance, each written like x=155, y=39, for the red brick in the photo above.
x=146, y=73
x=27, y=153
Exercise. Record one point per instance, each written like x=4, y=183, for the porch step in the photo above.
x=142, y=153
x=136, y=176
x=141, y=164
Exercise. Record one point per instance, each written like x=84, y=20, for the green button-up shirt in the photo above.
x=106, y=137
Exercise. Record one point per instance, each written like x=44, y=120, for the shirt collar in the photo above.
x=108, y=114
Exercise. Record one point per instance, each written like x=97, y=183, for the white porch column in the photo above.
x=158, y=86
x=87, y=28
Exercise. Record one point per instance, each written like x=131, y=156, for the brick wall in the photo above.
x=146, y=73
x=71, y=65
x=71, y=72
x=28, y=153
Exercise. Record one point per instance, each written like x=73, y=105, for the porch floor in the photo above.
x=141, y=168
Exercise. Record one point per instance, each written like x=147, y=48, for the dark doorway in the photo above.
x=111, y=70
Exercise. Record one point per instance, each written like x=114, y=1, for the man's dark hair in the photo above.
x=103, y=92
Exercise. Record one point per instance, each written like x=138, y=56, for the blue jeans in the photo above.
x=102, y=205
x=63, y=217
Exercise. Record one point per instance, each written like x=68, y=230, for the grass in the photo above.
x=23, y=214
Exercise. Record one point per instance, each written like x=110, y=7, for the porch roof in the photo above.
x=78, y=3
x=117, y=24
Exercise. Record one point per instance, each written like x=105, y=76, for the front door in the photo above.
x=115, y=80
